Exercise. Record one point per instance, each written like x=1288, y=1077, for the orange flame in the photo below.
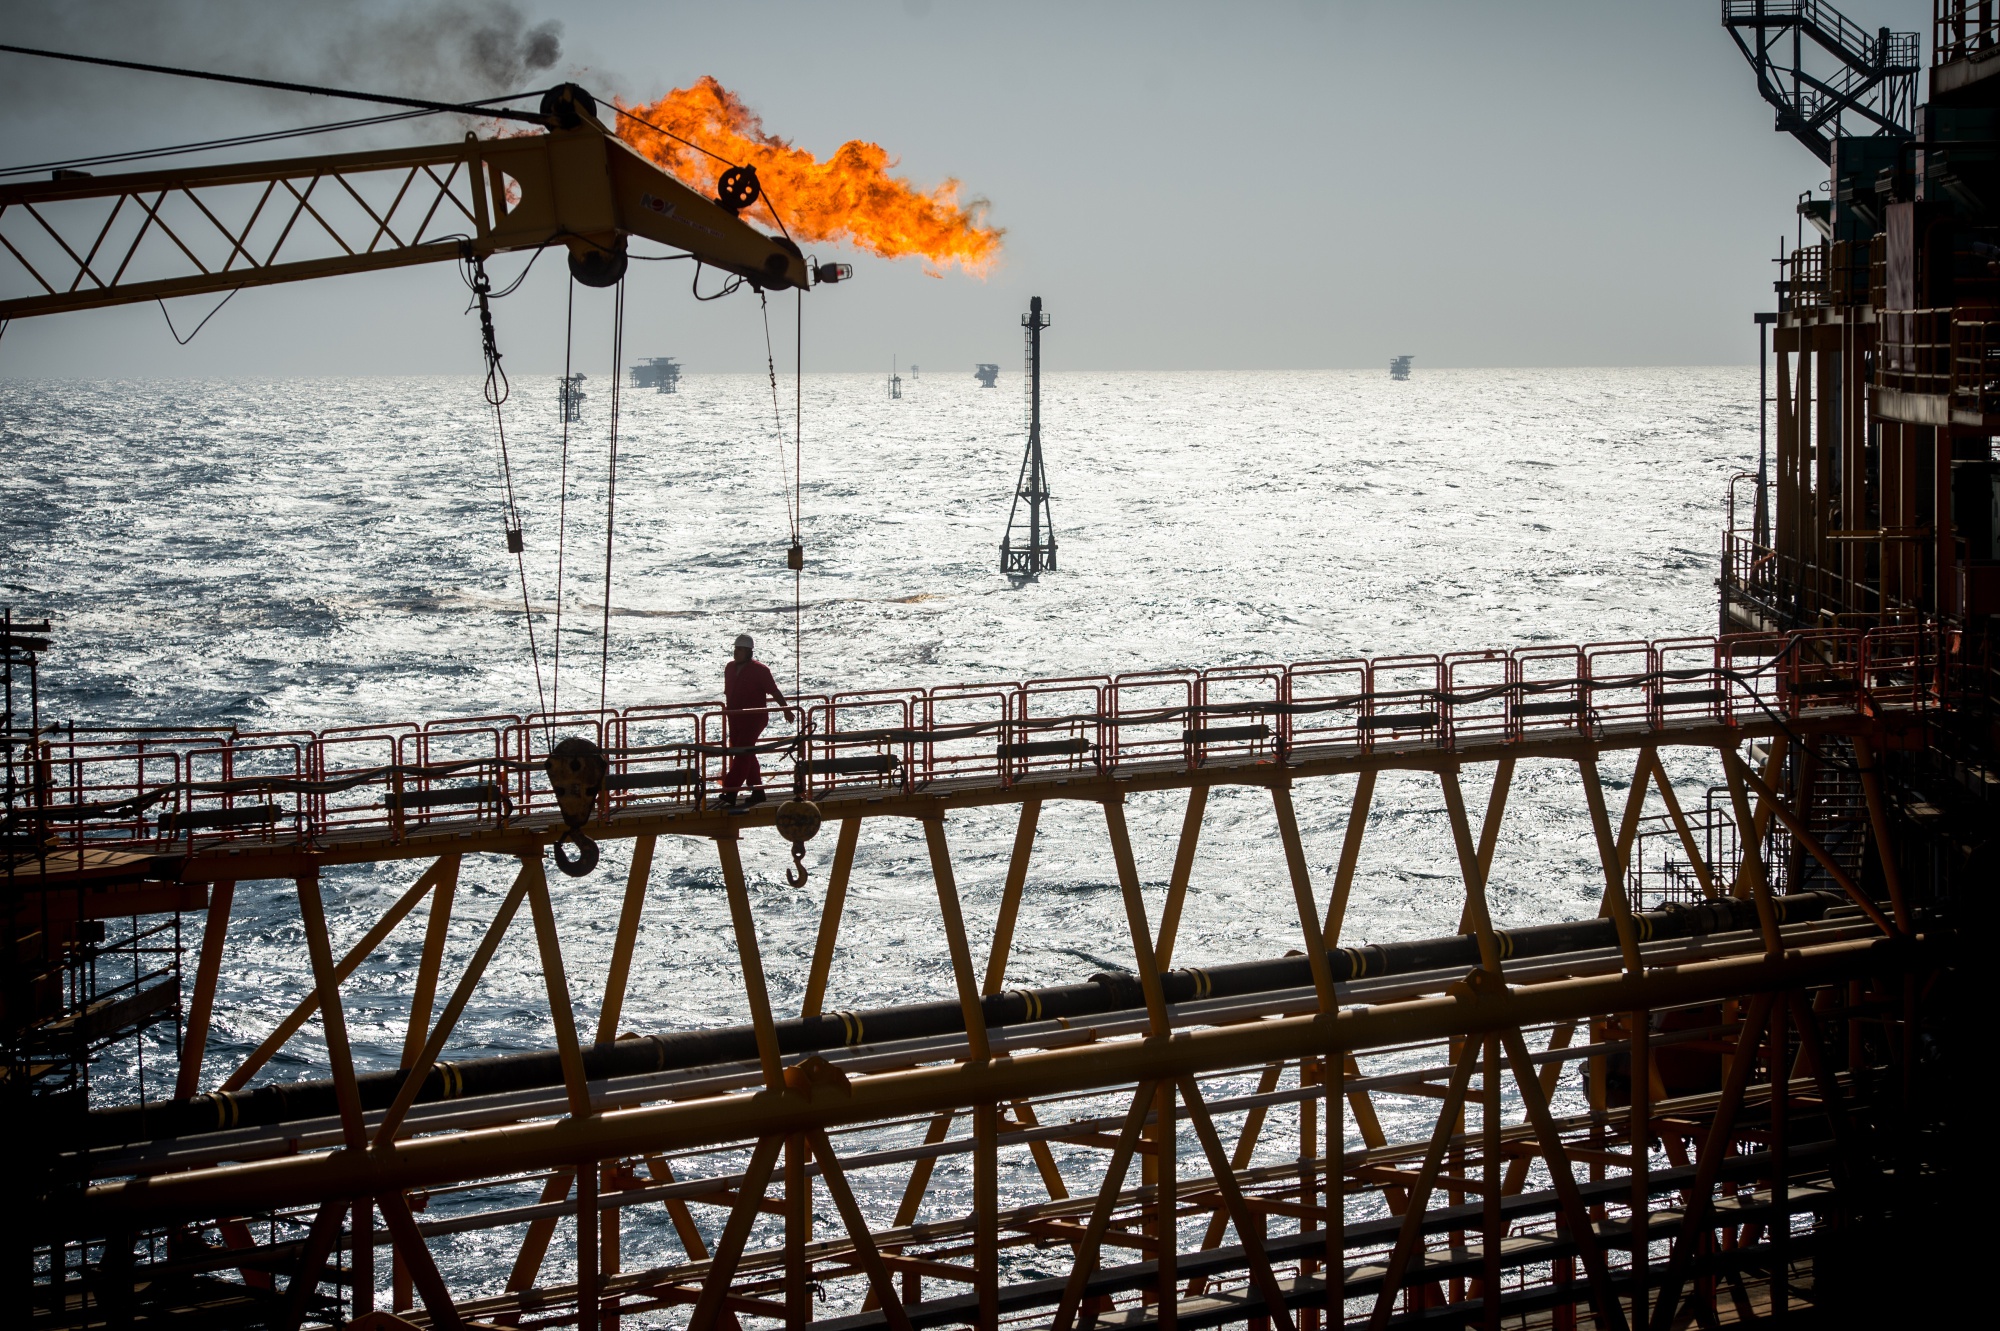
x=848, y=197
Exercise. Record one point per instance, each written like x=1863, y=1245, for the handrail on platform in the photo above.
x=145, y=790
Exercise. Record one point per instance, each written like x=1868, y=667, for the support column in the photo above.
x=1609, y=853
x=1010, y=896
x=1311, y=932
x=364, y=1256
x=194, y=1042
x=1878, y=822
x=1333, y=1074
x=1493, y=1229
x=437, y=928
x=568, y=1048
x=1177, y=885
x=1689, y=847
x=618, y=975
x=798, y=1233
x=586, y=1246
x=1639, y=1136
x=986, y=1212
x=1350, y=855
x=1166, y=1207
x=954, y=932
x=829, y=916
x=312, y=914
x=1468, y=866
x=1143, y=955
x=752, y=962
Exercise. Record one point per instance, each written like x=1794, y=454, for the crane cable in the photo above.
x=611, y=491
x=789, y=488
x=567, y=410
x=778, y=422
x=798, y=478
x=496, y=391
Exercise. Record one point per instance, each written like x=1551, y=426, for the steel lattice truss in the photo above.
x=1437, y=1138
x=78, y=242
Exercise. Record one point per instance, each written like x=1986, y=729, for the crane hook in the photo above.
x=576, y=770
x=798, y=822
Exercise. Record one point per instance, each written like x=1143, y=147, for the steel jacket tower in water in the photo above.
x=1039, y=553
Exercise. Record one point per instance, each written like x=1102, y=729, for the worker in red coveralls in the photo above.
x=746, y=685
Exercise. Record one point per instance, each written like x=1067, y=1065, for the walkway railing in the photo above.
x=158, y=790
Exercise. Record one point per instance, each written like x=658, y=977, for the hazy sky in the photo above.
x=1189, y=186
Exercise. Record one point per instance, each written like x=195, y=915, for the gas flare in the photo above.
x=851, y=196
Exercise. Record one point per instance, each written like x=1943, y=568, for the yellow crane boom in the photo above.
x=78, y=242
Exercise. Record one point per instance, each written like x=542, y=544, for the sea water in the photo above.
x=318, y=552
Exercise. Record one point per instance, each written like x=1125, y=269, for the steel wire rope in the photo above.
x=798, y=484
x=209, y=145
x=790, y=489
x=711, y=152
x=777, y=420
x=175, y=333
x=562, y=494
x=661, y=129
x=311, y=89
x=611, y=493
x=496, y=391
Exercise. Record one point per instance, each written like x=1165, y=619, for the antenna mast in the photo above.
x=1039, y=554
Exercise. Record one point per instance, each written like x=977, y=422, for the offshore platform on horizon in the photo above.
x=1741, y=1090
x=662, y=374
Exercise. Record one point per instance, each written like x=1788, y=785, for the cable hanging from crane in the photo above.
x=611, y=491
x=796, y=556
x=496, y=391
x=798, y=818
x=789, y=487
x=562, y=492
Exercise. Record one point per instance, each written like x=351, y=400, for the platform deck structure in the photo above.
x=1778, y=1062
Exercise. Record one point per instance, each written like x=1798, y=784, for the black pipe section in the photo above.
x=1103, y=994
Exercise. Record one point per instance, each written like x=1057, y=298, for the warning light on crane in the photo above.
x=832, y=272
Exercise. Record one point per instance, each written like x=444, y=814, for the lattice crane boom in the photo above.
x=80, y=242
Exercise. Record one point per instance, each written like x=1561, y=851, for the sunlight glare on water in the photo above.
x=324, y=552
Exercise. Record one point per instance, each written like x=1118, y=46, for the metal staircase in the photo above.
x=1872, y=78
x=1837, y=817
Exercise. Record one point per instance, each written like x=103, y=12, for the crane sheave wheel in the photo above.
x=737, y=188
x=598, y=267
x=566, y=106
